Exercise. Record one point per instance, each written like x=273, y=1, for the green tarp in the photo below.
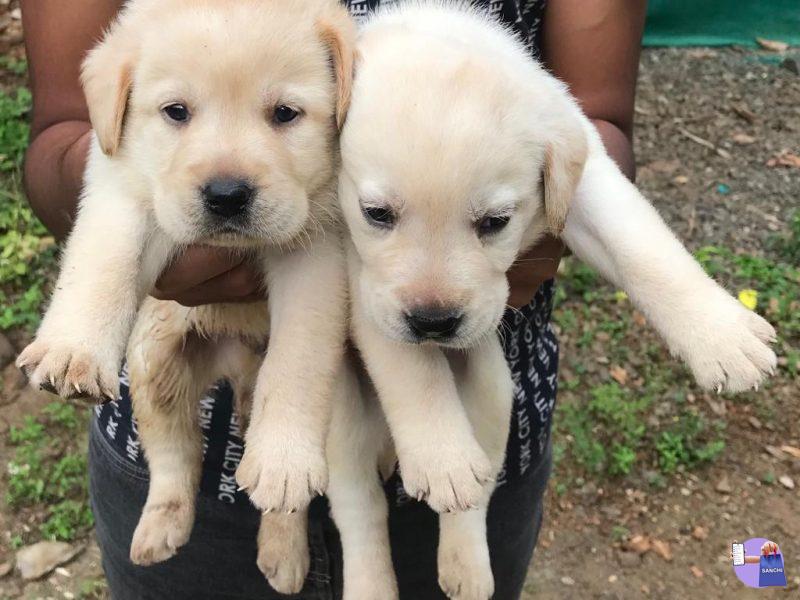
x=721, y=22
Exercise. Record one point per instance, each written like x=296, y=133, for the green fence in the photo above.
x=720, y=22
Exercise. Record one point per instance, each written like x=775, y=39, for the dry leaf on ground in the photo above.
x=785, y=159
x=791, y=450
x=772, y=45
x=638, y=543
x=662, y=548
x=619, y=374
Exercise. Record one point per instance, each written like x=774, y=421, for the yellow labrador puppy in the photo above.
x=215, y=123
x=459, y=153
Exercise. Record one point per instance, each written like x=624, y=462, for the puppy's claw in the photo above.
x=47, y=387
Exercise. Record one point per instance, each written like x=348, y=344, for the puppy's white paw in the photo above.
x=71, y=369
x=163, y=528
x=281, y=471
x=730, y=349
x=449, y=477
x=284, y=560
x=465, y=573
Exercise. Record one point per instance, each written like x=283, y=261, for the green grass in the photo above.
x=14, y=129
x=788, y=246
x=47, y=474
x=688, y=443
x=27, y=252
x=647, y=428
x=609, y=435
x=777, y=283
x=93, y=589
x=14, y=65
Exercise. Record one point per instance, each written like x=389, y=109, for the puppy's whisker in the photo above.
x=517, y=311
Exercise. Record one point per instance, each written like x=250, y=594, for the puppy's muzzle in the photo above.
x=434, y=323
x=227, y=198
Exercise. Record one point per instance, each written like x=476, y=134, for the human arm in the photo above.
x=594, y=47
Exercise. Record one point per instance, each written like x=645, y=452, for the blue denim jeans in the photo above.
x=220, y=559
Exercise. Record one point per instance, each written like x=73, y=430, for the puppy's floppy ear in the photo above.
x=338, y=32
x=107, y=77
x=565, y=157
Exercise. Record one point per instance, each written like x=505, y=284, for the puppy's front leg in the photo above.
x=440, y=459
x=107, y=268
x=485, y=384
x=284, y=461
x=614, y=229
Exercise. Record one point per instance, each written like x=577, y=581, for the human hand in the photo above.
x=530, y=271
x=209, y=275
x=769, y=548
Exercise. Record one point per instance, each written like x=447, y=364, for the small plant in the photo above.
x=777, y=284
x=605, y=434
x=619, y=533
x=14, y=65
x=93, y=589
x=788, y=246
x=46, y=469
x=579, y=279
x=66, y=520
x=14, y=128
x=686, y=444
x=27, y=252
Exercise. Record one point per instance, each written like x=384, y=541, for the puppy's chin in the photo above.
x=231, y=240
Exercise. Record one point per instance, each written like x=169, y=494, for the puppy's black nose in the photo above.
x=431, y=323
x=227, y=197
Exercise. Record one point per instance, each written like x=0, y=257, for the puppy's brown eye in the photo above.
x=492, y=224
x=284, y=114
x=176, y=112
x=379, y=216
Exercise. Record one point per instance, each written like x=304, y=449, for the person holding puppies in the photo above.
x=595, y=50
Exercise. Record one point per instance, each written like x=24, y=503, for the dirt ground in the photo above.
x=708, y=121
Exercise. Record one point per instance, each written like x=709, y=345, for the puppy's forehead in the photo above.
x=442, y=125
x=241, y=43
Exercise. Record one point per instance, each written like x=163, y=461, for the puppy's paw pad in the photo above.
x=465, y=578
x=279, y=478
x=162, y=529
x=451, y=479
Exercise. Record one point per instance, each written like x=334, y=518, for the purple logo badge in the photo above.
x=758, y=563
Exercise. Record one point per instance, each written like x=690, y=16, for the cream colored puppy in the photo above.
x=459, y=153
x=215, y=123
